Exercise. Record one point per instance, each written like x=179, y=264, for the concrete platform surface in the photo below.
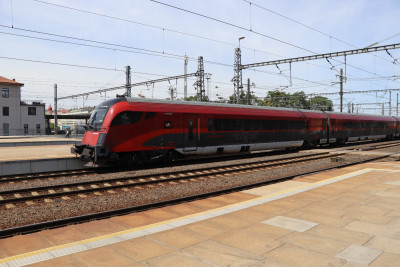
x=38, y=152
x=13, y=141
x=33, y=159
x=345, y=217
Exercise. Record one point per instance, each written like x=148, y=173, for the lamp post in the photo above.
x=241, y=38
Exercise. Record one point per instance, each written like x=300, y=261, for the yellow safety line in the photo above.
x=85, y=241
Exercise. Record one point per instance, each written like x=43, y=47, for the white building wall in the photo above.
x=13, y=103
x=18, y=113
x=32, y=120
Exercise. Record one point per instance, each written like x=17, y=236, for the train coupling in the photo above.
x=83, y=151
x=77, y=149
x=90, y=153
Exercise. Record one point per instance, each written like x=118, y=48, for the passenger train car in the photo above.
x=132, y=130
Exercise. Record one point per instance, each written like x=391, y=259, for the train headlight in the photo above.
x=102, y=138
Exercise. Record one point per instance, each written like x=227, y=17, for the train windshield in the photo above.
x=97, y=118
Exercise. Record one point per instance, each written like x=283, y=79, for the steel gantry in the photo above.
x=200, y=80
x=238, y=67
x=355, y=92
x=237, y=78
x=327, y=55
x=132, y=85
x=199, y=83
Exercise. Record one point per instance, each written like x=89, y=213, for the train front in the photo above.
x=92, y=147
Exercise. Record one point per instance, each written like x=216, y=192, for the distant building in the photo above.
x=19, y=117
x=74, y=123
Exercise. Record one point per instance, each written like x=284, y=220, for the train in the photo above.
x=137, y=131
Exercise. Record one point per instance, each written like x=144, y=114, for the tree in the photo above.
x=244, y=97
x=196, y=98
x=321, y=103
x=281, y=99
x=297, y=100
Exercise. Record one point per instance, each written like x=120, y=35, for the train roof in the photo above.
x=208, y=105
x=356, y=115
x=215, y=104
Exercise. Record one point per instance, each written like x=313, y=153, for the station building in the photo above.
x=19, y=117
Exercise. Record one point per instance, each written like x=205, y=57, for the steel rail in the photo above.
x=162, y=178
x=117, y=212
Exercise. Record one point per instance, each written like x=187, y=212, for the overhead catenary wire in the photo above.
x=231, y=24
x=245, y=29
x=162, y=28
x=149, y=25
x=314, y=29
x=141, y=50
x=59, y=63
x=228, y=43
x=298, y=22
x=79, y=66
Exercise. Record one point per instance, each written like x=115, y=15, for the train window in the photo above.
x=254, y=125
x=211, y=127
x=240, y=125
x=123, y=118
x=267, y=125
x=149, y=115
x=97, y=118
x=279, y=125
x=229, y=125
x=218, y=125
x=126, y=117
x=168, y=124
x=347, y=125
x=251, y=125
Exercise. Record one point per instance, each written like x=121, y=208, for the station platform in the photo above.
x=14, y=141
x=38, y=158
x=344, y=217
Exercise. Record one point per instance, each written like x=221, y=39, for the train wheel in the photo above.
x=306, y=145
x=125, y=159
x=144, y=157
x=169, y=157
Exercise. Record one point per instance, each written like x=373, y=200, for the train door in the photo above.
x=189, y=132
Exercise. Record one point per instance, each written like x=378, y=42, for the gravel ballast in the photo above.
x=23, y=214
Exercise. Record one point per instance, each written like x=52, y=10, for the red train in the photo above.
x=132, y=130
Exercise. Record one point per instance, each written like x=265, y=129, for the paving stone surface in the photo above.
x=397, y=182
x=385, y=244
x=104, y=256
x=274, y=188
x=223, y=255
x=386, y=260
x=359, y=254
x=294, y=256
x=142, y=248
x=354, y=222
x=290, y=223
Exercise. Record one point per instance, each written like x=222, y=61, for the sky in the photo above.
x=84, y=46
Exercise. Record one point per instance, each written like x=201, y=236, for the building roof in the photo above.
x=8, y=81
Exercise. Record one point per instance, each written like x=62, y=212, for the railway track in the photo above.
x=43, y=175
x=117, y=212
x=99, y=187
x=381, y=146
x=53, y=175
x=369, y=145
x=25, y=177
